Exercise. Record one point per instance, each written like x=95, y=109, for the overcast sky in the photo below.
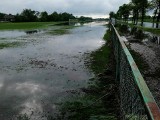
x=94, y=8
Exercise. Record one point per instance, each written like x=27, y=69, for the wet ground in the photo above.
x=146, y=24
x=44, y=69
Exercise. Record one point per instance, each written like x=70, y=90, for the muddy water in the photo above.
x=44, y=71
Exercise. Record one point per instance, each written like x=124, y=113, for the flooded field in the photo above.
x=42, y=68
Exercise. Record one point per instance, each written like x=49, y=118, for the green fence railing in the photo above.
x=136, y=100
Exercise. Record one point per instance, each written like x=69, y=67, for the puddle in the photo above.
x=37, y=76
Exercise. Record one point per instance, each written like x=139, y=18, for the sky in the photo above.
x=93, y=8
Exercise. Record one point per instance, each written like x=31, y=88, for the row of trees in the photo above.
x=137, y=9
x=28, y=15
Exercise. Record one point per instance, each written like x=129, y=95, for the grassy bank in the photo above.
x=151, y=30
x=147, y=29
x=10, y=45
x=61, y=31
x=98, y=100
x=26, y=25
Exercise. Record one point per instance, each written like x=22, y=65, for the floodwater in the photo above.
x=146, y=24
x=45, y=70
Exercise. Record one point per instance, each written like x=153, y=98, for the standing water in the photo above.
x=41, y=71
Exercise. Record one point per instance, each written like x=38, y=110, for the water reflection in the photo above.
x=27, y=88
x=11, y=34
x=147, y=24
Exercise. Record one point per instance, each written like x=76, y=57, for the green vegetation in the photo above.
x=26, y=25
x=138, y=9
x=28, y=15
x=8, y=45
x=131, y=25
x=62, y=30
x=59, y=32
x=99, y=101
x=100, y=57
x=151, y=30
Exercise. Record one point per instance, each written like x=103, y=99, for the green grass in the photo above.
x=62, y=30
x=100, y=57
x=8, y=45
x=26, y=25
x=151, y=30
x=87, y=106
x=58, y=32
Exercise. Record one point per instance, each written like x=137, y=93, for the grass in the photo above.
x=58, y=32
x=151, y=30
x=88, y=106
x=100, y=57
x=61, y=31
x=26, y=25
x=8, y=45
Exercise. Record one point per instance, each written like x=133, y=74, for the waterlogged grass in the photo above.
x=26, y=25
x=98, y=101
x=9, y=44
x=59, y=32
x=62, y=30
x=151, y=30
x=100, y=57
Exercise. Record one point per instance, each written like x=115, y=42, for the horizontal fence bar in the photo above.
x=136, y=100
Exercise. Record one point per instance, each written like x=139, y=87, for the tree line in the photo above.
x=28, y=15
x=137, y=9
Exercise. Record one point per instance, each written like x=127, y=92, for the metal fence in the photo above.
x=136, y=100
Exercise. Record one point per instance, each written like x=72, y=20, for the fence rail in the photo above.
x=136, y=100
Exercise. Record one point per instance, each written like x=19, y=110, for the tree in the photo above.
x=111, y=15
x=82, y=18
x=156, y=8
x=135, y=10
x=143, y=6
x=29, y=15
x=139, y=7
x=2, y=15
x=124, y=11
x=43, y=16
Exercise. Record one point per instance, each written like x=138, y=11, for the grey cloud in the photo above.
x=77, y=7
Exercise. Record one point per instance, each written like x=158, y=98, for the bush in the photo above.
x=134, y=30
x=124, y=29
x=139, y=34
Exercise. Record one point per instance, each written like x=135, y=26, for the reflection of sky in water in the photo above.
x=11, y=34
x=41, y=73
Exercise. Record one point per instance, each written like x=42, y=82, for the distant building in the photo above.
x=9, y=18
